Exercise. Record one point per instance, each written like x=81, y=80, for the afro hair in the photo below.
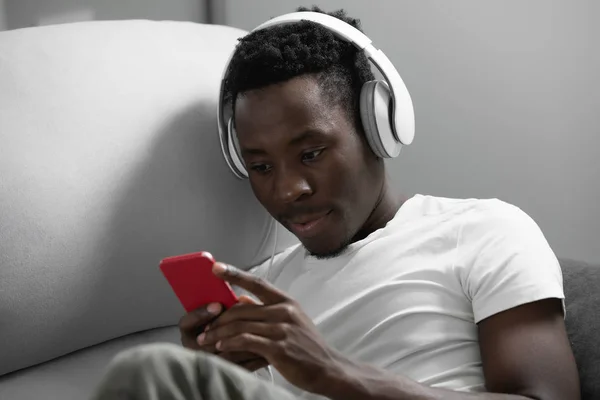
x=280, y=53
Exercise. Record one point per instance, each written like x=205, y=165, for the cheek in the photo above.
x=261, y=192
x=258, y=190
x=348, y=169
x=354, y=183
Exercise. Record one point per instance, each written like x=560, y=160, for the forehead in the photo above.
x=282, y=111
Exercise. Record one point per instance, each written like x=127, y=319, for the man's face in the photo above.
x=307, y=164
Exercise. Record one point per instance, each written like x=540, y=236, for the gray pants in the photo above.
x=170, y=372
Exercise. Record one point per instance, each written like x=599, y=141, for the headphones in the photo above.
x=386, y=109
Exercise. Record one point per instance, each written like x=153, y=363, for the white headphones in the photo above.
x=386, y=108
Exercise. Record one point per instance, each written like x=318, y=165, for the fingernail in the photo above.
x=219, y=268
x=200, y=338
x=214, y=308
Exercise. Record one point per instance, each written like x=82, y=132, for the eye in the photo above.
x=260, y=168
x=311, y=155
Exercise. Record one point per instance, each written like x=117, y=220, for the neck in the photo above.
x=385, y=209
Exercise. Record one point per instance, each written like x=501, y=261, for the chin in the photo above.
x=323, y=253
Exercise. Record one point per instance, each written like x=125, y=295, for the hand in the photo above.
x=245, y=359
x=277, y=330
x=195, y=322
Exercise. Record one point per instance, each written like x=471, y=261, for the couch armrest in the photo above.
x=582, y=292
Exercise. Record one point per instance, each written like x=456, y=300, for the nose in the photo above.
x=290, y=186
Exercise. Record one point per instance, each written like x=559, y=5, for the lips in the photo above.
x=307, y=226
x=307, y=219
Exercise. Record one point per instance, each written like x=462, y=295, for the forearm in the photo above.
x=355, y=381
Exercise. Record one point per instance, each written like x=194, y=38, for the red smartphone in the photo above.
x=192, y=280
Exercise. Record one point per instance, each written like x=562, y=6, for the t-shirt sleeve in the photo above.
x=505, y=260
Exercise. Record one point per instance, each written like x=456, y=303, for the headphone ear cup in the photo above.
x=375, y=106
x=233, y=147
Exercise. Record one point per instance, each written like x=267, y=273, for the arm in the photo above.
x=512, y=278
x=514, y=283
x=525, y=354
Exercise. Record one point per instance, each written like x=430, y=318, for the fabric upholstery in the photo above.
x=110, y=161
x=75, y=375
x=582, y=292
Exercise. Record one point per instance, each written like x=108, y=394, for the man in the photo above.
x=421, y=298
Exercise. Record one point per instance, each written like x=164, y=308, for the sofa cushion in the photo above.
x=582, y=293
x=110, y=161
x=76, y=375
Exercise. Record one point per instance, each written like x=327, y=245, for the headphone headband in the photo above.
x=403, y=126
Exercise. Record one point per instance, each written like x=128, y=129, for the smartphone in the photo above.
x=192, y=280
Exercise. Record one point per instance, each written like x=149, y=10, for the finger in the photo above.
x=266, y=292
x=278, y=313
x=207, y=348
x=192, y=323
x=238, y=309
x=199, y=317
x=254, y=365
x=265, y=329
x=239, y=357
x=189, y=342
x=258, y=345
x=248, y=313
x=243, y=299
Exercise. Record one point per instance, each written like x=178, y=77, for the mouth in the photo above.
x=308, y=226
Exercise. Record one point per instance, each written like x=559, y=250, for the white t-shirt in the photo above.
x=407, y=298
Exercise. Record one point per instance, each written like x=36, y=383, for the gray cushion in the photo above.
x=582, y=292
x=110, y=161
x=75, y=376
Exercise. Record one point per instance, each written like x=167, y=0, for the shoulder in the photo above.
x=471, y=217
x=455, y=208
x=503, y=259
x=494, y=226
x=481, y=227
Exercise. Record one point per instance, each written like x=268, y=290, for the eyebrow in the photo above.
x=296, y=140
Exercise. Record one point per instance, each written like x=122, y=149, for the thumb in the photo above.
x=244, y=299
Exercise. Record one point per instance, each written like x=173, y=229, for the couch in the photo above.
x=110, y=161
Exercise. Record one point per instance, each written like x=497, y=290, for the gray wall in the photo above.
x=2, y=16
x=506, y=95
x=26, y=13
